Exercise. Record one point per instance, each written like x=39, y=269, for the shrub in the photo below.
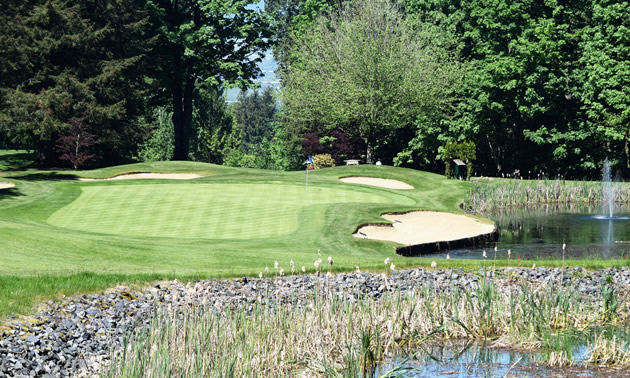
x=74, y=148
x=323, y=161
x=465, y=151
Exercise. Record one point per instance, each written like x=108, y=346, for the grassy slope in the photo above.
x=66, y=236
x=40, y=259
x=120, y=232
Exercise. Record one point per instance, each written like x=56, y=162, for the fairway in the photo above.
x=206, y=211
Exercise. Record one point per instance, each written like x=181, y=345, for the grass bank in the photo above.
x=230, y=222
x=19, y=294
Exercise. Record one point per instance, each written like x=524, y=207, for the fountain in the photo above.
x=599, y=230
x=608, y=195
x=608, y=191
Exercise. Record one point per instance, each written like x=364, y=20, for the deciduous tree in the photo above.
x=214, y=41
x=367, y=70
x=605, y=78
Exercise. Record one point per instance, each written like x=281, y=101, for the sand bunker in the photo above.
x=133, y=176
x=380, y=182
x=419, y=227
x=6, y=185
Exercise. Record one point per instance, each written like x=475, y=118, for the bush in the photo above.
x=160, y=145
x=234, y=157
x=465, y=151
x=323, y=161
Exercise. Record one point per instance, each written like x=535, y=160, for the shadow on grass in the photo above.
x=16, y=161
x=10, y=192
x=36, y=176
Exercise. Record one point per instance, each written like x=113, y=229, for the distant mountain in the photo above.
x=268, y=77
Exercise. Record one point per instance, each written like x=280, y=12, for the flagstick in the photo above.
x=307, y=177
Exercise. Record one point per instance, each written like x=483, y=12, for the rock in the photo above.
x=32, y=339
x=71, y=335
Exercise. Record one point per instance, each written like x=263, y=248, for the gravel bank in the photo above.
x=74, y=337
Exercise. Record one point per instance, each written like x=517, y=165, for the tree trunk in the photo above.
x=46, y=153
x=369, y=157
x=182, y=118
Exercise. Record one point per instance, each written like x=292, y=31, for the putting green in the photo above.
x=207, y=211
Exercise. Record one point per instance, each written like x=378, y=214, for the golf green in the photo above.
x=205, y=211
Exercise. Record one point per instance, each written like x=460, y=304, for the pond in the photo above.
x=540, y=232
x=473, y=360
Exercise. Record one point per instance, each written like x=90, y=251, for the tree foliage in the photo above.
x=213, y=126
x=214, y=41
x=604, y=78
x=74, y=148
x=367, y=71
x=67, y=59
x=255, y=111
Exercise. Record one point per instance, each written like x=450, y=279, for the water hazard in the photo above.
x=540, y=232
x=473, y=360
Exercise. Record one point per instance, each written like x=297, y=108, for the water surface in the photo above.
x=540, y=232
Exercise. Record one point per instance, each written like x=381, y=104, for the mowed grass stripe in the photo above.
x=211, y=211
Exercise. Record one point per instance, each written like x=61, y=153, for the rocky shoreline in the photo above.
x=76, y=336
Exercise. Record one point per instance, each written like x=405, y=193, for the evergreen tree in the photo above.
x=254, y=112
x=78, y=59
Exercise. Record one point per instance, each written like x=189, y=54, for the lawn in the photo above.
x=65, y=236
x=62, y=236
x=236, y=221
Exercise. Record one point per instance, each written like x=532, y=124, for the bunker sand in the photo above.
x=380, y=182
x=133, y=176
x=419, y=227
x=6, y=185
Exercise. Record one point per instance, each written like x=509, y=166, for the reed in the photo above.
x=331, y=336
x=502, y=193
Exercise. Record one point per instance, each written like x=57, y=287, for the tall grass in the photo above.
x=331, y=336
x=501, y=193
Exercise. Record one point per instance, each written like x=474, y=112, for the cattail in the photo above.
x=266, y=269
x=392, y=267
x=292, y=264
x=387, y=261
x=275, y=265
x=357, y=269
x=484, y=254
x=303, y=269
x=509, y=252
x=496, y=248
x=281, y=272
x=433, y=264
x=260, y=275
x=564, y=246
x=534, y=266
x=330, y=260
x=448, y=256
x=316, y=264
